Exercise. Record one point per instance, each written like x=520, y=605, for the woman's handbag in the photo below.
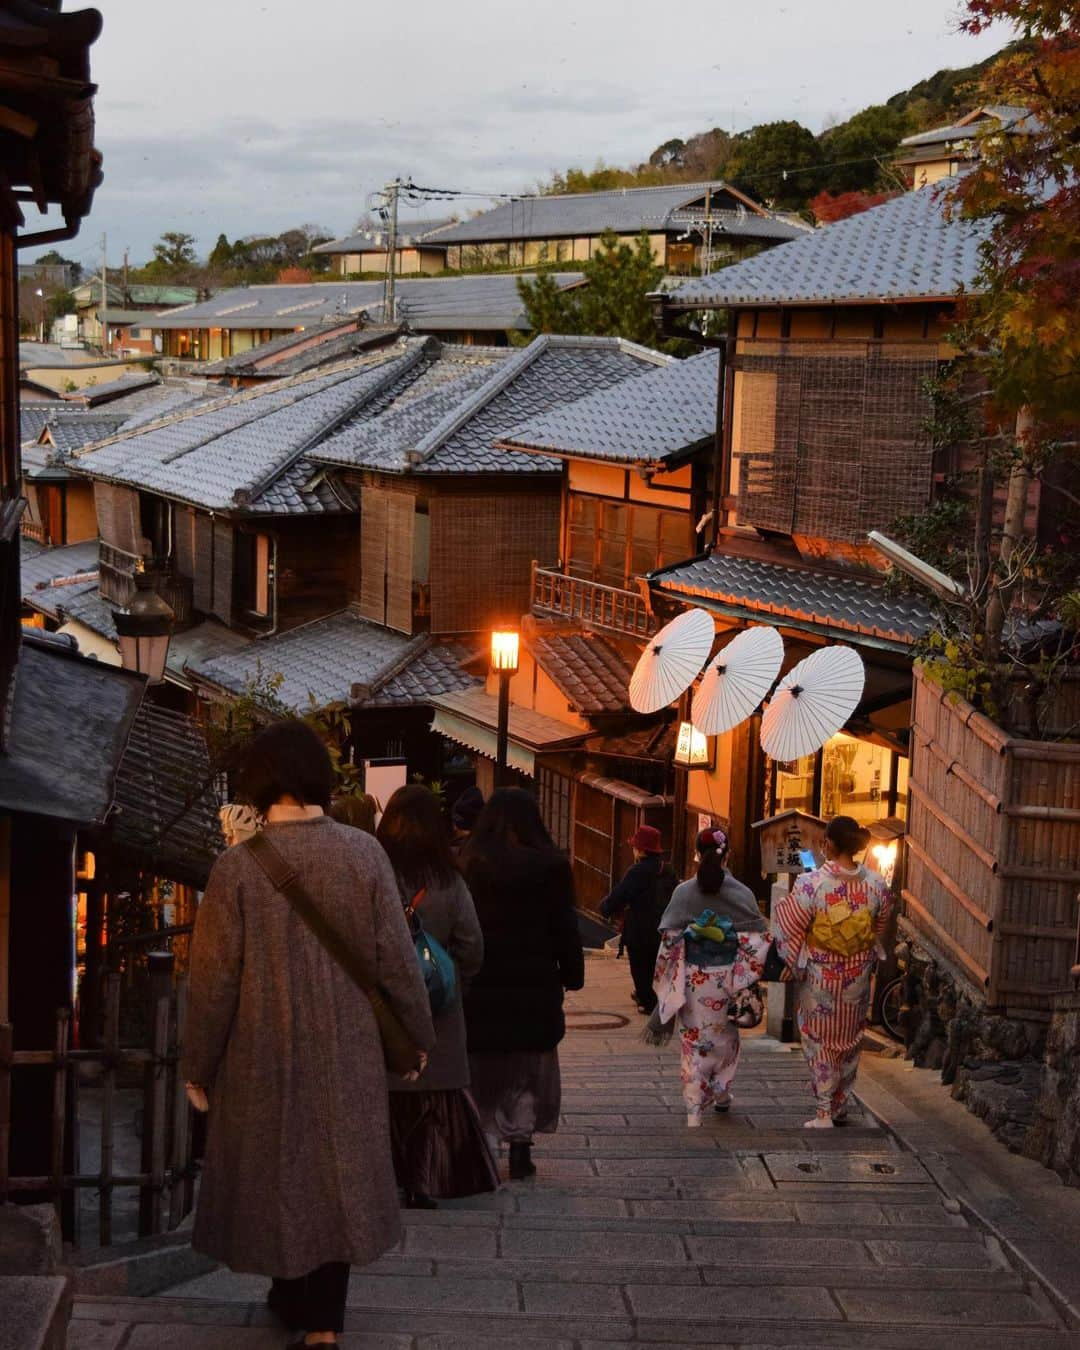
x=436, y=963
x=747, y=1008
x=400, y=1054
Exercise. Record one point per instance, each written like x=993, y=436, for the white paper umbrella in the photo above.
x=670, y=662
x=814, y=700
x=737, y=679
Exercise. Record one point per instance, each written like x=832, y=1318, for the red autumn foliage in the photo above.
x=828, y=207
x=293, y=276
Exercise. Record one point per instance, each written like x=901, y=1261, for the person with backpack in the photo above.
x=438, y=1141
x=714, y=943
x=638, y=901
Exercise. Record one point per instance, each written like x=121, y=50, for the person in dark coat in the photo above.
x=639, y=899
x=523, y=889
x=298, y=1182
x=439, y=1144
x=464, y=814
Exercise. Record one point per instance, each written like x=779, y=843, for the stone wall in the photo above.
x=1054, y=1139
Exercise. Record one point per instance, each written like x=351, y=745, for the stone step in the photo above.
x=586, y=1316
x=34, y=1312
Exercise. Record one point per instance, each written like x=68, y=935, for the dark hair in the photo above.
x=466, y=810
x=510, y=819
x=414, y=832
x=711, y=871
x=286, y=760
x=846, y=835
x=357, y=810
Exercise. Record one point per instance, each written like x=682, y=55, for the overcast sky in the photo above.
x=250, y=116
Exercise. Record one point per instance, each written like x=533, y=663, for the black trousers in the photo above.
x=642, y=949
x=316, y=1302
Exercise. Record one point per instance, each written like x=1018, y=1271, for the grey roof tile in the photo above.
x=70, y=431
x=33, y=416
x=824, y=601
x=42, y=568
x=246, y=452
x=641, y=421
x=453, y=430
x=327, y=658
x=410, y=232
x=589, y=670
x=93, y=394
x=431, y=304
x=625, y=210
x=905, y=249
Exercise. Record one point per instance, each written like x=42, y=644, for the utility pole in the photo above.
x=104, y=292
x=125, y=276
x=392, y=191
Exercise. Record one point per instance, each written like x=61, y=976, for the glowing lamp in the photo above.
x=691, y=747
x=504, y=650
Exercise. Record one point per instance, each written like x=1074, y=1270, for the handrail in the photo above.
x=590, y=602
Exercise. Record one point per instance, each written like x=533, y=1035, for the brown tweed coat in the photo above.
x=298, y=1169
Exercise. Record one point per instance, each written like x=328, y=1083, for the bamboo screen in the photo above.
x=373, y=555
x=387, y=520
x=830, y=437
x=117, y=510
x=482, y=548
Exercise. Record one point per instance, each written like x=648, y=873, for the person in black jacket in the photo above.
x=523, y=890
x=640, y=899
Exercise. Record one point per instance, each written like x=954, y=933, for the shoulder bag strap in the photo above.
x=284, y=879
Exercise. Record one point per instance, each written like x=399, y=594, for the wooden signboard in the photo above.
x=784, y=836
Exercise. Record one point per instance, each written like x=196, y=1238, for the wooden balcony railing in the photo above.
x=555, y=593
x=116, y=581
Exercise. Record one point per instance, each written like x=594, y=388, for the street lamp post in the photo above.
x=41, y=318
x=143, y=630
x=504, y=661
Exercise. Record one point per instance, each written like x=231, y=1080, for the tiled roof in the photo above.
x=431, y=304
x=642, y=421
x=166, y=807
x=625, y=210
x=905, y=249
x=410, y=232
x=276, y=359
x=41, y=568
x=1016, y=119
x=527, y=727
x=453, y=430
x=589, y=670
x=70, y=431
x=825, y=602
x=337, y=659
x=247, y=451
x=93, y=394
x=33, y=416
x=70, y=720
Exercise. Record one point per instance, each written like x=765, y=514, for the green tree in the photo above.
x=221, y=255
x=175, y=250
x=777, y=162
x=619, y=276
x=853, y=153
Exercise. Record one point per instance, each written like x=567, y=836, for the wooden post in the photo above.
x=7, y=1049
x=181, y=1118
x=59, y=1112
x=154, y=1094
x=111, y=1049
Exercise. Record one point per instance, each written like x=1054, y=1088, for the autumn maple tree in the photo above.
x=1022, y=328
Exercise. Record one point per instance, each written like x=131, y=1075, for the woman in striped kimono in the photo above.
x=828, y=931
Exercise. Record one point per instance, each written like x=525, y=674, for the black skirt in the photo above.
x=439, y=1146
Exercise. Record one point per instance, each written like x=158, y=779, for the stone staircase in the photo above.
x=749, y=1232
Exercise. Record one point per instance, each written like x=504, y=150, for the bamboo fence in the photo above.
x=993, y=845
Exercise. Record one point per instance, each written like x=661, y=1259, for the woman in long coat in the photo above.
x=829, y=931
x=524, y=894
x=298, y=1182
x=438, y=1141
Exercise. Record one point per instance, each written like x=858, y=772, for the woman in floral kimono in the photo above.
x=713, y=943
x=828, y=931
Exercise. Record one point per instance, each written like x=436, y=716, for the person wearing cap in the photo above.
x=714, y=943
x=639, y=900
x=463, y=817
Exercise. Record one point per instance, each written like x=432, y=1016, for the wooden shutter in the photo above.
x=117, y=511
x=373, y=530
x=400, y=514
x=203, y=564
x=223, y=571
x=184, y=541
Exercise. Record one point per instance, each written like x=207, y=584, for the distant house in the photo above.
x=295, y=353
x=941, y=152
x=483, y=309
x=368, y=250
x=684, y=221
x=124, y=310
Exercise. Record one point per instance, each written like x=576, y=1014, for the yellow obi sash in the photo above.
x=842, y=930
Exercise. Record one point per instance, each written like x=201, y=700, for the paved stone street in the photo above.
x=750, y=1232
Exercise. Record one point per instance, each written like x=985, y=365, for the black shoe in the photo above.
x=521, y=1164
x=418, y=1200
x=282, y=1307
